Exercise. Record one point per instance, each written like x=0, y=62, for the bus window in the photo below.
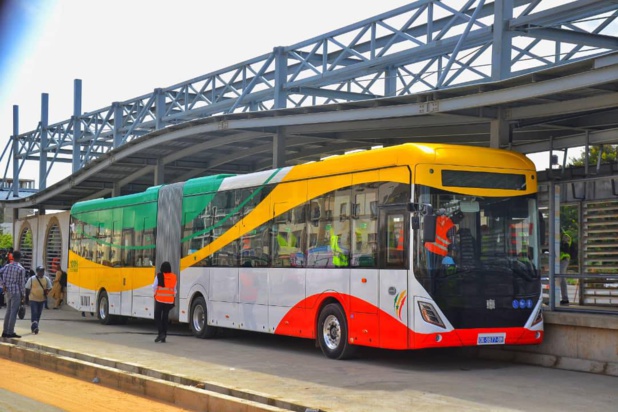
x=394, y=247
x=255, y=247
x=127, y=251
x=290, y=238
x=364, y=226
x=226, y=214
x=329, y=231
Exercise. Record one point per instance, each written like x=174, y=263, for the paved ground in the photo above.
x=295, y=371
x=29, y=389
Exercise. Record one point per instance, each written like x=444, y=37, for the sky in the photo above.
x=122, y=49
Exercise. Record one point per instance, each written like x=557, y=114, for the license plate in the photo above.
x=491, y=339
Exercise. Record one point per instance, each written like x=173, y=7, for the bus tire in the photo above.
x=198, y=320
x=333, y=333
x=103, y=309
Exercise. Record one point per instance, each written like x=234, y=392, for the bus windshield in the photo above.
x=484, y=250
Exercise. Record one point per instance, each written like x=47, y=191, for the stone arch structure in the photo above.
x=52, y=252
x=25, y=245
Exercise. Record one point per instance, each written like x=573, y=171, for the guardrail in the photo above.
x=587, y=292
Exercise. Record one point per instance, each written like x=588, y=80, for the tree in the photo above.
x=608, y=155
x=6, y=240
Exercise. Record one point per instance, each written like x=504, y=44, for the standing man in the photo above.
x=37, y=289
x=566, y=254
x=13, y=278
x=164, y=288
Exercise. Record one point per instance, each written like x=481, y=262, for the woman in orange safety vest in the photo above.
x=164, y=288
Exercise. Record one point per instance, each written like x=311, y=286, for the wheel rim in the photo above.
x=331, y=332
x=103, y=307
x=198, y=318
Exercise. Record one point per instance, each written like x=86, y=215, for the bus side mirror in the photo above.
x=429, y=228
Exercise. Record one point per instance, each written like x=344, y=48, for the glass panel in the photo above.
x=395, y=238
x=484, y=253
x=569, y=256
x=393, y=193
x=319, y=254
x=364, y=226
x=289, y=230
x=485, y=180
x=226, y=214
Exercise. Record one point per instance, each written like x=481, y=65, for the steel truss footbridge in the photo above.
x=527, y=75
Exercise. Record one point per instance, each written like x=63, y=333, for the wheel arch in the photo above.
x=327, y=299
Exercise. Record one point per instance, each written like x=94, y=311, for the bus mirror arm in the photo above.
x=422, y=208
x=429, y=222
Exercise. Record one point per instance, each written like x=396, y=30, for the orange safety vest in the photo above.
x=399, y=239
x=440, y=245
x=165, y=294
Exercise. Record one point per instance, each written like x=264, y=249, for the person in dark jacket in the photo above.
x=164, y=288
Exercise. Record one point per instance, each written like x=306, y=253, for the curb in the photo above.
x=180, y=391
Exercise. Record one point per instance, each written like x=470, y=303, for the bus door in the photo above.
x=393, y=255
x=169, y=234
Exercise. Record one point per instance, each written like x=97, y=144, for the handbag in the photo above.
x=21, y=312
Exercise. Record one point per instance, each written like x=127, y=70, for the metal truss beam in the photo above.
x=427, y=45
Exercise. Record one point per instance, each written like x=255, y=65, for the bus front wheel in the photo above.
x=198, y=321
x=103, y=309
x=333, y=333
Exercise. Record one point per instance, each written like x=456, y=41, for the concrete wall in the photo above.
x=573, y=341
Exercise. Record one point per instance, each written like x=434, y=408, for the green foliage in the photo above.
x=569, y=220
x=608, y=156
x=26, y=240
x=6, y=240
x=569, y=224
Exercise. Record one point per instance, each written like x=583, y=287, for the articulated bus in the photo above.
x=406, y=247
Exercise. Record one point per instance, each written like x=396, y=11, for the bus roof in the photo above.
x=399, y=155
x=150, y=195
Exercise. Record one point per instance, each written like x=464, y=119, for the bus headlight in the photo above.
x=430, y=315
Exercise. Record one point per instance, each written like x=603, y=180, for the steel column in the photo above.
x=43, y=142
x=159, y=108
x=503, y=38
x=281, y=74
x=499, y=131
x=15, y=151
x=117, y=133
x=279, y=148
x=77, y=125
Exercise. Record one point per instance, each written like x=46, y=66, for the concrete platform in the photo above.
x=192, y=373
x=163, y=380
x=573, y=341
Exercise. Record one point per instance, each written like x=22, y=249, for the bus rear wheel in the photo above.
x=198, y=320
x=333, y=333
x=103, y=309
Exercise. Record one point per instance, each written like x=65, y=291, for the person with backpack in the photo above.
x=37, y=289
x=59, y=288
